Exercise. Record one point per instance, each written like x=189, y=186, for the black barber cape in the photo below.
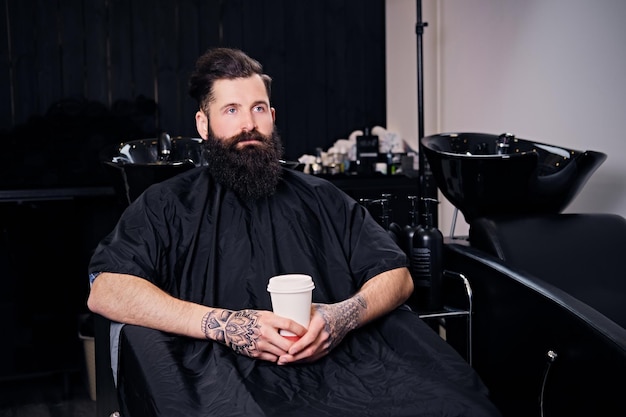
x=196, y=240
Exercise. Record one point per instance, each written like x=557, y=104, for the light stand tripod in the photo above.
x=427, y=186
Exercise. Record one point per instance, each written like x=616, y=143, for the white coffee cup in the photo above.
x=291, y=297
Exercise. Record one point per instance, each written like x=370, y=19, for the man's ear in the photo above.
x=273, y=110
x=202, y=124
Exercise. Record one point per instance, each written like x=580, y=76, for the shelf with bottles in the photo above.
x=397, y=164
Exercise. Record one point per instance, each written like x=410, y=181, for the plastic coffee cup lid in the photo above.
x=290, y=283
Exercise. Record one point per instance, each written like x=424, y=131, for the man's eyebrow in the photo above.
x=255, y=103
x=227, y=105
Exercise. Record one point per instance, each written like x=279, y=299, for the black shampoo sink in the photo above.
x=484, y=174
x=137, y=164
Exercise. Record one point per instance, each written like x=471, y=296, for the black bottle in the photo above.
x=386, y=219
x=366, y=153
x=426, y=261
x=409, y=229
x=405, y=233
x=405, y=241
x=385, y=215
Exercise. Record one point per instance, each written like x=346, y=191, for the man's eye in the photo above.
x=259, y=109
x=231, y=110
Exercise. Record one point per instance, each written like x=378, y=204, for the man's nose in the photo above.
x=248, y=122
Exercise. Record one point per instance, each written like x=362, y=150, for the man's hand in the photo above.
x=252, y=333
x=329, y=325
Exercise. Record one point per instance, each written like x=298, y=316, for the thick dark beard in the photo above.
x=252, y=172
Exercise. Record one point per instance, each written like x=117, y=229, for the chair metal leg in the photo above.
x=456, y=312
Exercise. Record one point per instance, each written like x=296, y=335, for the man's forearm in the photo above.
x=378, y=296
x=133, y=300
x=383, y=293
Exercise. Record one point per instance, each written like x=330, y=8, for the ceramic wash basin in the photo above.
x=137, y=164
x=162, y=150
x=486, y=174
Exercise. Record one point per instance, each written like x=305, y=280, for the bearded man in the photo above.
x=186, y=271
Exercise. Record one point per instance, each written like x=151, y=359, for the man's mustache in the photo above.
x=248, y=136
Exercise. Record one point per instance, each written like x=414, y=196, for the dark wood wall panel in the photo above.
x=96, y=79
x=6, y=100
x=143, y=30
x=23, y=58
x=71, y=42
x=131, y=59
x=309, y=29
x=46, y=28
x=122, y=48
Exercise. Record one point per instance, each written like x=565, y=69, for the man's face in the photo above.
x=239, y=105
x=241, y=144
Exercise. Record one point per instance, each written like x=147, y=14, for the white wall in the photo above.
x=546, y=70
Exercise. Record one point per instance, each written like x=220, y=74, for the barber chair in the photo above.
x=549, y=321
x=549, y=289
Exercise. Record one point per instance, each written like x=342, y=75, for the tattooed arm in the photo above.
x=331, y=322
x=133, y=300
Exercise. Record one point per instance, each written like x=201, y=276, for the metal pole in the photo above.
x=419, y=29
x=427, y=188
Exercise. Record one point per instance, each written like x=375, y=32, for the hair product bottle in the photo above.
x=426, y=260
x=409, y=229
x=405, y=241
x=384, y=219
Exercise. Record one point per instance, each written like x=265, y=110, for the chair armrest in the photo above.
x=518, y=318
x=106, y=393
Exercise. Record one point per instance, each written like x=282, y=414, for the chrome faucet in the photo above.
x=502, y=143
x=164, y=146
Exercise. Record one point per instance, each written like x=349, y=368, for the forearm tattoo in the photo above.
x=237, y=329
x=342, y=317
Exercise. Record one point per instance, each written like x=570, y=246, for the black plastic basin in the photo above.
x=137, y=164
x=484, y=174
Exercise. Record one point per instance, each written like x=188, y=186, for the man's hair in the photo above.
x=218, y=64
